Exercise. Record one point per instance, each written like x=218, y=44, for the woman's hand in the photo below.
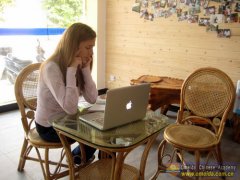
x=78, y=61
x=86, y=62
x=81, y=62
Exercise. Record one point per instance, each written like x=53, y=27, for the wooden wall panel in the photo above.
x=163, y=47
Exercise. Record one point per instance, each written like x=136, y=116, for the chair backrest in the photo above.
x=26, y=93
x=207, y=93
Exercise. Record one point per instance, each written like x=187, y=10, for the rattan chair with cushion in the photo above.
x=26, y=96
x=207, y=97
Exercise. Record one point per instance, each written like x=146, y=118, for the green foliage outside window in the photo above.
x=3, y=5
x=62, y=13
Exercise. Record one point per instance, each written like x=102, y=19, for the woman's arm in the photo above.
x=90, y=92
x=66, y=96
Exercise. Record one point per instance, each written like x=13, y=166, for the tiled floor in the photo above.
x=11, y=138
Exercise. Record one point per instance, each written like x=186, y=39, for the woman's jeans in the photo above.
x=49, y=134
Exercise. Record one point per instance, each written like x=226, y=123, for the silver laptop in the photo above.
x=123, y=105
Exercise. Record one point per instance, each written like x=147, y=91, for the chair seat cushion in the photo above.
x=36, y=140
x=190, y=136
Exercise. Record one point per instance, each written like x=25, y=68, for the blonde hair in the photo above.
x=68, y=46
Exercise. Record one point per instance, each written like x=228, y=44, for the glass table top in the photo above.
x=123, y=136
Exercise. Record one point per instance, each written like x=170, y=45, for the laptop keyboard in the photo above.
x=96, y=117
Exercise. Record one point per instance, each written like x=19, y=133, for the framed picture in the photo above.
x=179, y=12
x=192, y=18
x=205, y=3
x=188, y=2
x=183, y=16
x=157, y=5
x=224, y=33
x=217, y=18
x=204, y=21
x=212, y=27
x=145, y=3
x=143, y=13
x=234, y=17
x=237, y=7
x=227, y=10
x=159, y=13
x=163, y=3
x=209, y=10
x=150, y=16
x=168, y=13
x=194, y=10
x=172, y=3
x=193, y=1
x=136, y=7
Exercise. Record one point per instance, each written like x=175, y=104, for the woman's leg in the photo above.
x=77, y=153
x=49, y=134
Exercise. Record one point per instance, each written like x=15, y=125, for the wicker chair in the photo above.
x=206, y=99
x=25, y=92
x=103, y=170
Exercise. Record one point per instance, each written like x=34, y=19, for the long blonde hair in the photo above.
x=67, y=47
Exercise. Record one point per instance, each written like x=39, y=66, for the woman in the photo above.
x=64, y=77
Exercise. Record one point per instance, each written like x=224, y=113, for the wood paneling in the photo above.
x=163, y=47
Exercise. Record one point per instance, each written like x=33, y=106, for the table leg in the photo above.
x=67, y=148
x=145, y=155
x=118, y=165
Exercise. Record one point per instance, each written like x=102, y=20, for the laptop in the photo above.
x=123, y=105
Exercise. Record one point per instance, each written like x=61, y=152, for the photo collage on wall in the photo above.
x=201, y=12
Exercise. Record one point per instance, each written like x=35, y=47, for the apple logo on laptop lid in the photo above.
x=129, y=105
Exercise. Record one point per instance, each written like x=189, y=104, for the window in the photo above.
x=29, y=31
